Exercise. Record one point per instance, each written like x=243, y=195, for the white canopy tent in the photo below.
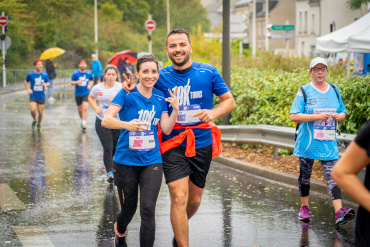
x=338, y=41
x=360, y=42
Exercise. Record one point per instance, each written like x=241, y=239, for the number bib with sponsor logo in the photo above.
x=324, y=130
x=142, y=141
x=185, y=116
x=38, y=88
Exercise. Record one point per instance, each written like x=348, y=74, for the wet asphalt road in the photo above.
x=59, y=177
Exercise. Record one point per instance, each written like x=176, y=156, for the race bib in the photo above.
x=324, y=130
x=38, y=88
x=142, y=141
x=185, y=116
x=104, y=109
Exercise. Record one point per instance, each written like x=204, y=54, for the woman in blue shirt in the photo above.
x=138, y=162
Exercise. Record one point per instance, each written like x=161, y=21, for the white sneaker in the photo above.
x=51, y=100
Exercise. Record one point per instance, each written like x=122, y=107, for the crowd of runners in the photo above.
x=163, y=124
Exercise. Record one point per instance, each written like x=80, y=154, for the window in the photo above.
x=305, y=22
x=313, y=24
x=300, y=22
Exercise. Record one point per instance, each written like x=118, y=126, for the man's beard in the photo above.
x=182, y=63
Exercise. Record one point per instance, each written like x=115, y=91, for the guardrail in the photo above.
x=268, y=135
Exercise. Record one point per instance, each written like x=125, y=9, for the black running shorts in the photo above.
x=176, y=165
x=38, y=101
x=81, y=98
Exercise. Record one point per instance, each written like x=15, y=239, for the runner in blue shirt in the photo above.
x=138, y=162
x=197, y=83
x=316, y=139
x=39, y=80
x=96, y=68
x=105, y=92
x=83, y=80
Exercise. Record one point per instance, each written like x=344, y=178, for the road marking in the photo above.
x=32, y=236
x=9, y=200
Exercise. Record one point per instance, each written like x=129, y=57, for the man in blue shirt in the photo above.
x=83, y=80
x=97, y=68
x=197, y=83
x=317, y=108
x=39, y=80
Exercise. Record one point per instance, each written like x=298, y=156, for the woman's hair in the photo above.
x=111, y=66
x=144, y=59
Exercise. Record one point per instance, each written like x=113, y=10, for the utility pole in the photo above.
x=226, y=50
x=96, y=26
x=168, y=16
x=254, y=29
x=266, y=24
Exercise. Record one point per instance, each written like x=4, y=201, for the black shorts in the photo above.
x=96, y=79
x=38, y=101
x=81, y=98
x=176, y=165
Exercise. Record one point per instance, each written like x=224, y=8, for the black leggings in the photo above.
x=128, y=180
x=108, y=139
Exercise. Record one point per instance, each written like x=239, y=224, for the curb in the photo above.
x=278, y=176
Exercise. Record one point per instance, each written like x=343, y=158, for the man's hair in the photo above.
x=178, y=31
x=111, y=66
x=144, y=59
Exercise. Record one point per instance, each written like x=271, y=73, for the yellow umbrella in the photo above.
x=51, y=52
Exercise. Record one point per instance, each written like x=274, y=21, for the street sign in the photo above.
x=7, y=41
x=150, y=25
x=282, y=36
x=3, y=21
x=282, y=27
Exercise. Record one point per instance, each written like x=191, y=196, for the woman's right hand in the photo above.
x=98, y=110
x=129, y=84
x=135, y=126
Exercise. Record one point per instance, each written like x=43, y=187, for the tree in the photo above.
x=356, y=4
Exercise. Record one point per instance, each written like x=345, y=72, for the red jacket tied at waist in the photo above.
x=190, y=139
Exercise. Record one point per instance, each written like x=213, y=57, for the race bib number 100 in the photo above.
x=142, y=141
x=324, y=130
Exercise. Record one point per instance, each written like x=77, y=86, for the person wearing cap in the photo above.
x=83, y=80
x=39, y=80
x=317, y=107
x=97, y=69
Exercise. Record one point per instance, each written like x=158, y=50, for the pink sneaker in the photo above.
x=343, y=215
x=304, y=213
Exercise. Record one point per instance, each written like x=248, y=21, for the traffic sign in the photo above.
x=282, y=36
x=7, y=41
x=3, y=21
x=282, y=27
x=150, y=25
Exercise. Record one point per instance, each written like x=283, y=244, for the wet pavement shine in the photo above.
x=59, y=177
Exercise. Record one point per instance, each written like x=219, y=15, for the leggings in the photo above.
x=305, y=175
x=108, y=139
x=128, y=179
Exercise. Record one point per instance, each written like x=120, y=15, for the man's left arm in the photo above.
x=225, y=107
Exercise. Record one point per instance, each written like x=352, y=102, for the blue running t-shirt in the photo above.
x=36, y=84
x=195, y=91
x=135, y=106
x=306, y=145
x=85, y=77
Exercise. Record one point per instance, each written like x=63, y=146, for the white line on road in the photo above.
x=9, y=200
x=32, y=236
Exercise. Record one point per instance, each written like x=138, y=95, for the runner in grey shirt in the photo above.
x=105, y=92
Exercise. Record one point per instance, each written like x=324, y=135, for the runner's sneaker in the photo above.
x=343, y=215
x=51, y=100
x=174, y=243
x=119, y=239
x=39, y=128
x=83, y=126
x=304, y=213
x=33, y=124
x=110, y=177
